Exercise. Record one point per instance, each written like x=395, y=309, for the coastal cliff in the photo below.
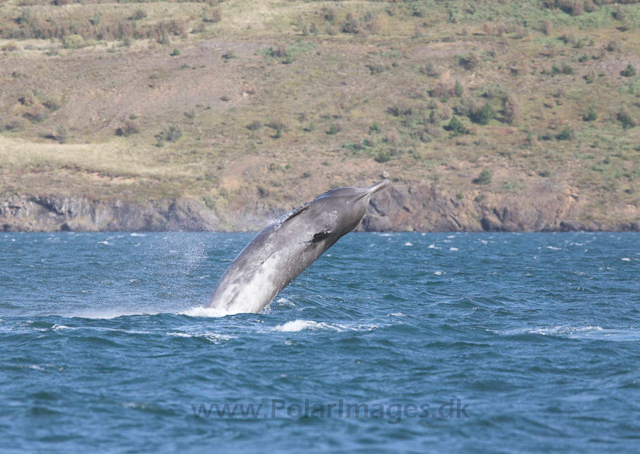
x=402, y=207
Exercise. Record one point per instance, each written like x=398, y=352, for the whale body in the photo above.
x=284, y=249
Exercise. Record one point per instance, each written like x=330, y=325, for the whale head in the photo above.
x=339, y=211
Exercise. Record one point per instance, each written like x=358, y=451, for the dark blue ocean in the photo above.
x=519, y=343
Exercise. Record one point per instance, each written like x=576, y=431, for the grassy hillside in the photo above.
x=264, y=102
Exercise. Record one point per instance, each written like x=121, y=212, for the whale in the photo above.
x=287, y=247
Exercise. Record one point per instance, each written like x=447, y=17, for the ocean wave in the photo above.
x=555, y=330
x=109, y=315
x=211, y=337
x=580, y=332
x=209, y=312
x=61, y=327
x=300, y=325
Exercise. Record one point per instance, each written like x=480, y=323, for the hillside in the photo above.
x=488, y=115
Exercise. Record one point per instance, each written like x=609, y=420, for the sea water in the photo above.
x=399, y=342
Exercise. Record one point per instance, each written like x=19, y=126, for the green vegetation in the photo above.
x=92, y=101
x=629, y=71
x=591, y=115
x=485, y=177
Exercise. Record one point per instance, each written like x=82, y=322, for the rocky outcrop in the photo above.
x=55, y=213
x=431, y=208
x=402, y=207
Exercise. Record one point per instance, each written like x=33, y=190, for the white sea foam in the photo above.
x=201, y=311
x=284, y=302
x=138, y=234
x=211, y=337
x=553, y=331
x=553, y=248
x=625, y=259
x=433, y=246
x=109, y=314
x=408, y=244
x=583, y=332
x=454, y=249
x=300, y=325
x=60, y=327
x=179, y=334
x=395, y=314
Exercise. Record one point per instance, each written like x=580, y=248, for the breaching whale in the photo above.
x=283, y=250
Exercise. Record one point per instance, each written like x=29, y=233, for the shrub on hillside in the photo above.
x=138, y=14
x=431, y=70
x=350, y=24
x=512, y=110
x=629, y=71
x=484, y=115
x=624, y=117
x=73, y=42
x=441, y=91
x=216, y=15
x=458, y=89
x=382, y=156
x=15, y=124
x=470, y=61
x=62, y=134
x=456, y=127
x=128, y=128
x=173, y=134
x=254, y=125
x=485, y=177
x=36, y=114
x=591, y=115
x=566, y=134
x=11, y=46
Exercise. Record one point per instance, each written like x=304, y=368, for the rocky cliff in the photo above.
x=402, y=207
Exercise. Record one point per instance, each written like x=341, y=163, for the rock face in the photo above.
x=430, y=208
x=58, y=213
x=402, y=207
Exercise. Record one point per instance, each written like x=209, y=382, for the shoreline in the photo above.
x=412, y=208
